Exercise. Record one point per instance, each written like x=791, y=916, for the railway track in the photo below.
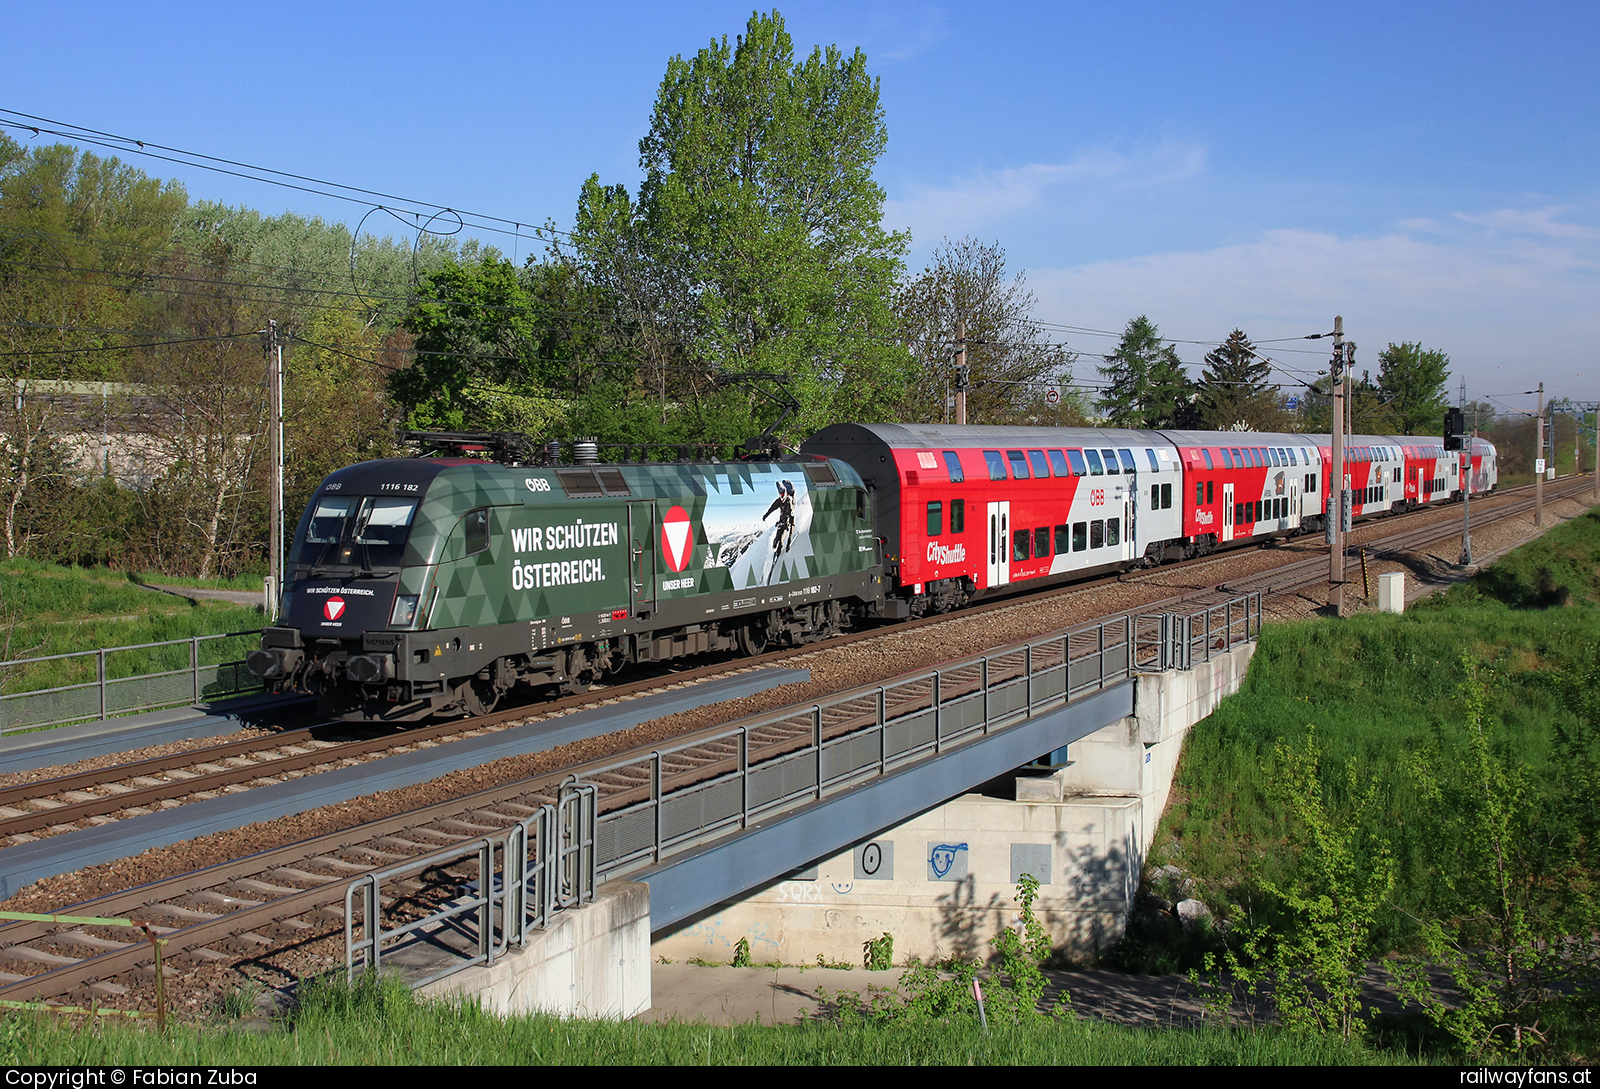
x=280, y=908
x=53, y=806
x=291, y=897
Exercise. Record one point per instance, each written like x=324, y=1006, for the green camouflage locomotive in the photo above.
x=434, y=585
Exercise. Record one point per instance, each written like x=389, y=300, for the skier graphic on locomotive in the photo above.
x=433, y=585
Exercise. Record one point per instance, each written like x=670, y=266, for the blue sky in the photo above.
x=1430, y=171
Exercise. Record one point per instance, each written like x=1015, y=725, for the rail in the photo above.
x=673, y=799
x=109, y=695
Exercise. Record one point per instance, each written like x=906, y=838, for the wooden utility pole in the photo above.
x=1538, y=464
x=961, y=371
x=1337, y=482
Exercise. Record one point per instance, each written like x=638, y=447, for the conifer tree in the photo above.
x=1234, y=388
x=1145, y=382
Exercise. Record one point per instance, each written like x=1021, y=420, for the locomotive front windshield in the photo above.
x=356, y=531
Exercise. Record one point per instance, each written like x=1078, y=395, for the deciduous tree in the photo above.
x=1412, y=383
x=1010, y=359
x=757, y=230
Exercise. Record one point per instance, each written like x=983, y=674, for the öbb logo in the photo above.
x=1097, y=497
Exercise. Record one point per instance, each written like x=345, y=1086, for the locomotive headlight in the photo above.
x=405, y=611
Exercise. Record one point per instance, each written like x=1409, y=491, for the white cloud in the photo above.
x=988, y=197
x=1511, y=300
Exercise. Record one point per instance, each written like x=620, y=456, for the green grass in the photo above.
x=387, y=1025
x=1379, y=689
x=48, y=609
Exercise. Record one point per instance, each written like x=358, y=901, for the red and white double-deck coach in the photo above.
x=969, y=512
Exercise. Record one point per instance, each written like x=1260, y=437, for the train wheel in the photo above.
x=479, y=697
x=753, y=636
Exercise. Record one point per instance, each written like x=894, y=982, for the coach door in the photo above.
x=1227, y=512
x=999, y=541
x=1294, y=505
x=641, y=558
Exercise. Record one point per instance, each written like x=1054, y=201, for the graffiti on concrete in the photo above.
x=943, y=858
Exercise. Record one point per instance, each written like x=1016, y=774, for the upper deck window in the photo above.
x=1111, y=461
x=1127, y=461
x=997, y=464
x=1095, y=468
x=1041, y=467
x=1058, y=462
x=1078, y=466
x=1207, y=455
x=1019, y=464
x=953, y=463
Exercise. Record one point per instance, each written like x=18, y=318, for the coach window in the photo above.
x=1258, y=510
x=1041, y=467
x=1199, y=493
x=1058, y=463
x=1211, y=495
x=1210, y=468
x=1063, y=536
x=958, y=515
x=1155, y=497
x=1113, y=532
x=953, y=463
x=997, y=464
x=1166, y=497
x=1019, y=545
x=1095, y=468
x=1111, y=461
x=935, y=518
x=1155, y=466
x=1097, y=534
x=1078, y=467
x=1127, y=461
x=1080, y=536
x=1019, y=464
x=1238, y=458
x=477, y=525
x=1041, y=542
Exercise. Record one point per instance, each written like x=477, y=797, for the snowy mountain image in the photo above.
x=749, y=535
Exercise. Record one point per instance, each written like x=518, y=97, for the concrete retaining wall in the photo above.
x=593, y=961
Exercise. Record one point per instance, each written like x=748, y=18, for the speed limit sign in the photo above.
x=1053, y=396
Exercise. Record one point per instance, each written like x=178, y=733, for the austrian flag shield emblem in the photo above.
x=333, y=608
x=675, y=538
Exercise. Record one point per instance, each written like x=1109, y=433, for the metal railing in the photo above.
x=679, y=797
x=546, y=864
x=107, y=695
x=1179, y=640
